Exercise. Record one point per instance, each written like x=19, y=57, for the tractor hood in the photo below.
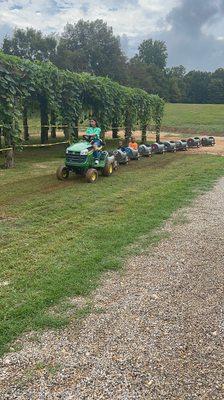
x=78, y=147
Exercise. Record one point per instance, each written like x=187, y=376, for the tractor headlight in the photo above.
x=84, y=152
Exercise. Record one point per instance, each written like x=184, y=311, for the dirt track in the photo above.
x=217, y=149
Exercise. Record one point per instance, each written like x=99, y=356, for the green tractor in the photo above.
x=80, y=159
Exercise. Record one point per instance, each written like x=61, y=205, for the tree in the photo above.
x=148, y=77
x=197, y=86
x=30, y=44
x=91, y=47
x=216, y=87
x=177, y=88
x=153, y=52
x=71, y=60
x=177, y=72
x=147, y=68
x=139, y=74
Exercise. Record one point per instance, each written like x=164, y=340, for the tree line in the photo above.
x=92, y=47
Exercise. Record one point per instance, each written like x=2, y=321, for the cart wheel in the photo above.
x=125, y=160
x=62, y=173
x=115, y=165
x=91, y=175
x=107, y=170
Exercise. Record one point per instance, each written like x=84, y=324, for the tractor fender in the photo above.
x=111, y=159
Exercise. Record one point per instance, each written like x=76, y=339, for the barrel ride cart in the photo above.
x=158, y=148
x=121, y=156
x=170, y=146
x=145, y=151
x=207, y=141
x=131, y=153
x=181, y=145
x=194, y=142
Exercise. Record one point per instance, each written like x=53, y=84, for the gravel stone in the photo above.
x=159, y=334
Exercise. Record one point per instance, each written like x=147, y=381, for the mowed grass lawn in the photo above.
x=186, y=119
x=56, y=238
x=194, y=118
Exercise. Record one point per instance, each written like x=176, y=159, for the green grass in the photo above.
x=186, y=119
x=56, y=238
x=194, y=118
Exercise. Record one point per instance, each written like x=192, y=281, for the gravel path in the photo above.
x=156, y=332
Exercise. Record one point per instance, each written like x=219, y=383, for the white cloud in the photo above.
x=133, y=20
x=132, y=17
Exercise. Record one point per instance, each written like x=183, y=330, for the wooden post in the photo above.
x=25, y=124
x=44, y=120
x=53, y=122
x=115, y=133
x=0, y=137
x=128, y=128
x=66, y=132
x=144, y=132
x=9, y=154
x=103, y=134
x=75, y=129
x=115, y=130
x=9, y=159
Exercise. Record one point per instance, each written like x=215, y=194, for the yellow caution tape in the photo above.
x=6, y=149
x=74, y=126
x=44, y=145
x=36, y=145
x=50, y=126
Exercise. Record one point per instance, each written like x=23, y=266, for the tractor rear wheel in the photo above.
x=62, y=173
x=107, y=170
x=91, y=175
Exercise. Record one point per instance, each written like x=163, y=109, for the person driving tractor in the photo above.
x=94, y=132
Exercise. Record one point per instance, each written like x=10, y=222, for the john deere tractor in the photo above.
x=80, y=159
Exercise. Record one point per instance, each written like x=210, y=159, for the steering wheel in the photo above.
x=88, y=138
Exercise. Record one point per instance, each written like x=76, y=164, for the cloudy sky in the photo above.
x=192, y=29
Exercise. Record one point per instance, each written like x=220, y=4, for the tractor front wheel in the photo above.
x=91, y=175
x=62, y=173
x=107, y=170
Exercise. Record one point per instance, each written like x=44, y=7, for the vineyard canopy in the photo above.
x=69, y=98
